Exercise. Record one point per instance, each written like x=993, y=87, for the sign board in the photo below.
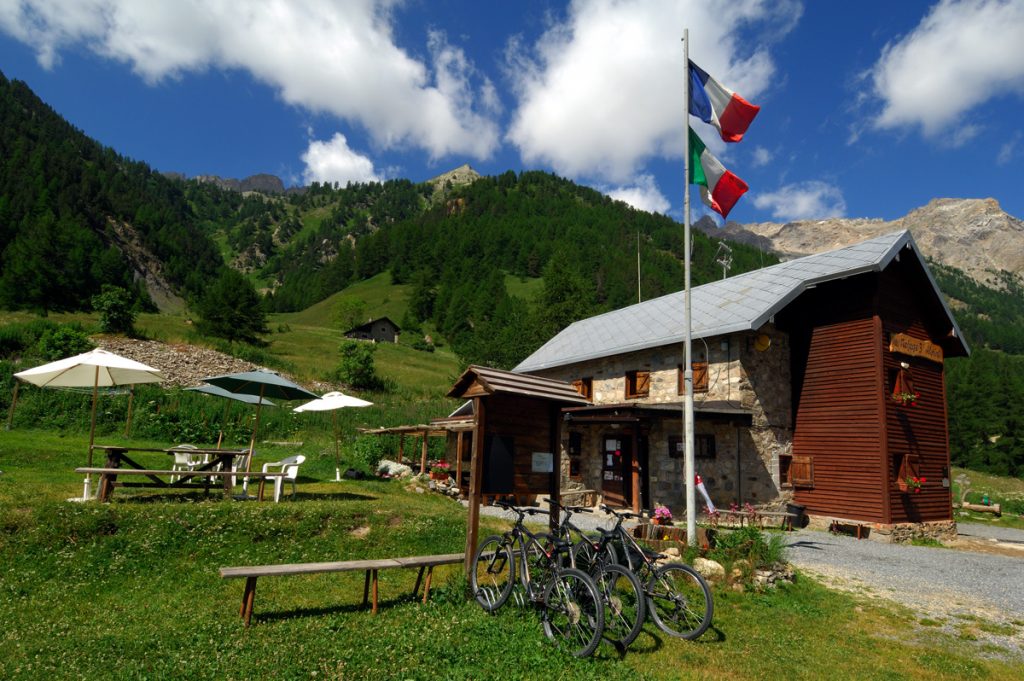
x=915, y=347
x=543, y=462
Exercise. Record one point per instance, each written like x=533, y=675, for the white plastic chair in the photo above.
x=184, y=461
x=290, y=467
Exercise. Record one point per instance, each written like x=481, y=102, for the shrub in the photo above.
x=357, y=368
x=367, y=452
x=115, y=307
x=749, y=544
x=64, y=341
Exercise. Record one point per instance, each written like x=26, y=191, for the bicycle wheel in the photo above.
x=493, y=573
x=624, y=604
x=679, y=601
x=574, y=612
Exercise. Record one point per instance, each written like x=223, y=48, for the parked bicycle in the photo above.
x=572, y=607
x=624, y=599
x=678, y=598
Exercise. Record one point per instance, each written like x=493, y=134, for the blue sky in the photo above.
x=869, y=108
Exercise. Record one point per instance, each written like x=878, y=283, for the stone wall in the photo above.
x=892, y=533
x=746, y=464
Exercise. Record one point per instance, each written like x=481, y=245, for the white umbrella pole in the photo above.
x=252, y=445
x=337, y=453
x=92, y=433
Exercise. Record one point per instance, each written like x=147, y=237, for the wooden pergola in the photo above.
x=436, y=428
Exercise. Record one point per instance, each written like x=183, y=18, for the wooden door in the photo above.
x=616, y=469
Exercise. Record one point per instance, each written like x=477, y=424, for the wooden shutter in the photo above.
x=700, y=377
x=643, y=383
x=801, y=471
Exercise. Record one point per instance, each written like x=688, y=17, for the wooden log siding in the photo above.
x=839, y=421
x=919, y=431
x=525, y=420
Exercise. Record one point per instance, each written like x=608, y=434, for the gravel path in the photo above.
x=959, y=588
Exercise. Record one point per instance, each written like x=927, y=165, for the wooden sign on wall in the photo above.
x=915, y=347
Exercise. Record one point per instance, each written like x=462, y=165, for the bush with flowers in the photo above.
x=907, y=399
x=914, y=483
x=440, y=467
x=662, y=514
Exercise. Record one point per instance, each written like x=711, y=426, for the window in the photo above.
x=585, y=387
x=638, y=384
x=796, y=471
x=575, y=450
x=703, y=447
x=700, y=378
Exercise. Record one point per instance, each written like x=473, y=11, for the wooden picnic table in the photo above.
x=119, y=463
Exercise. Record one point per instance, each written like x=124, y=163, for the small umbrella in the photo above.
x=221, y=392
x=94, y=369
x=262, y=384
x=332, y=402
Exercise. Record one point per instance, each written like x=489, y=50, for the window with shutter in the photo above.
x=700, y=378
x=796, y=471
x=638, y=384
x=584, y=386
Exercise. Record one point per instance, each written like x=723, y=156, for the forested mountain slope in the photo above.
x=75, y=215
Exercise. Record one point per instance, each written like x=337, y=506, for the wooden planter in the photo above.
x=438, y=476
x=660, y=538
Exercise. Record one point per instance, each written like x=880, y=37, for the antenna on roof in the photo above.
x=723, y=256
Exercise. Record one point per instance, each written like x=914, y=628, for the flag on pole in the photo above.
x=716, y=104
x=719, y=188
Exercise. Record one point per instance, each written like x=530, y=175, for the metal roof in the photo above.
x=741, y=303
x=487, y=381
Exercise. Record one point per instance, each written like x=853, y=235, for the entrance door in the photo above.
x=616, y=470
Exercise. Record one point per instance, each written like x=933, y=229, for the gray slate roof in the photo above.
x=741, y=303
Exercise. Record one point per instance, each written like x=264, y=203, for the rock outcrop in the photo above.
x=973, y=235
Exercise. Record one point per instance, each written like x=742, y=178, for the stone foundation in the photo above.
x=889, y=533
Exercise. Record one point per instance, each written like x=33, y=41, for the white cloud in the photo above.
x=334, y=161
x=337, y=57
x=1009, y=149
x=762, y=157
x=803, y=201
x=644, y=195
x=601, y=92
x=963, y=53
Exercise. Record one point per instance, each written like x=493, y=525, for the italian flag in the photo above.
x=716, y=104
x=719, y=188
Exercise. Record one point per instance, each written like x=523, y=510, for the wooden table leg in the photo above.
x=366, y=588
x=259, y=494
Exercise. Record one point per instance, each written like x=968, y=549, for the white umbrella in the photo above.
x=94, y=369
x=331, y=402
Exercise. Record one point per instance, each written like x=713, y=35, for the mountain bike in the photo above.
x=678, y=599
x=625, y=603
x=571, y=604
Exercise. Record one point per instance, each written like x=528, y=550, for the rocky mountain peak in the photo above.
x=973, y=235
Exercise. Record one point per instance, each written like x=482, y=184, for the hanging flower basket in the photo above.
x=906, y=399
x=910, y=484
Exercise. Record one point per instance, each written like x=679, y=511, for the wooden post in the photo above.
x=635, y=469
x=14, y=401
x=128, y=422
x=458, y=460
x=555, y=484
x=476, y=475
x=401, y=446
x=423, y=455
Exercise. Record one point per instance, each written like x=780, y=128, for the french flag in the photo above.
x=716, y=104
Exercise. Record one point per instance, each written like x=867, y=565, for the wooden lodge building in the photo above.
x=817, y=381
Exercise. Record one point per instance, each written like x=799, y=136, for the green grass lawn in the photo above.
x=130, y=589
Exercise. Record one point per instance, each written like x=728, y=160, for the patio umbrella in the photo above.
x=94, y=369
x=261, y=384
x=221, y=392
x=332, y=402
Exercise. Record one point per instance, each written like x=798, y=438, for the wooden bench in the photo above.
x=107, y=474
x=745, y=518
x=371, y=567
x=850, y=527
